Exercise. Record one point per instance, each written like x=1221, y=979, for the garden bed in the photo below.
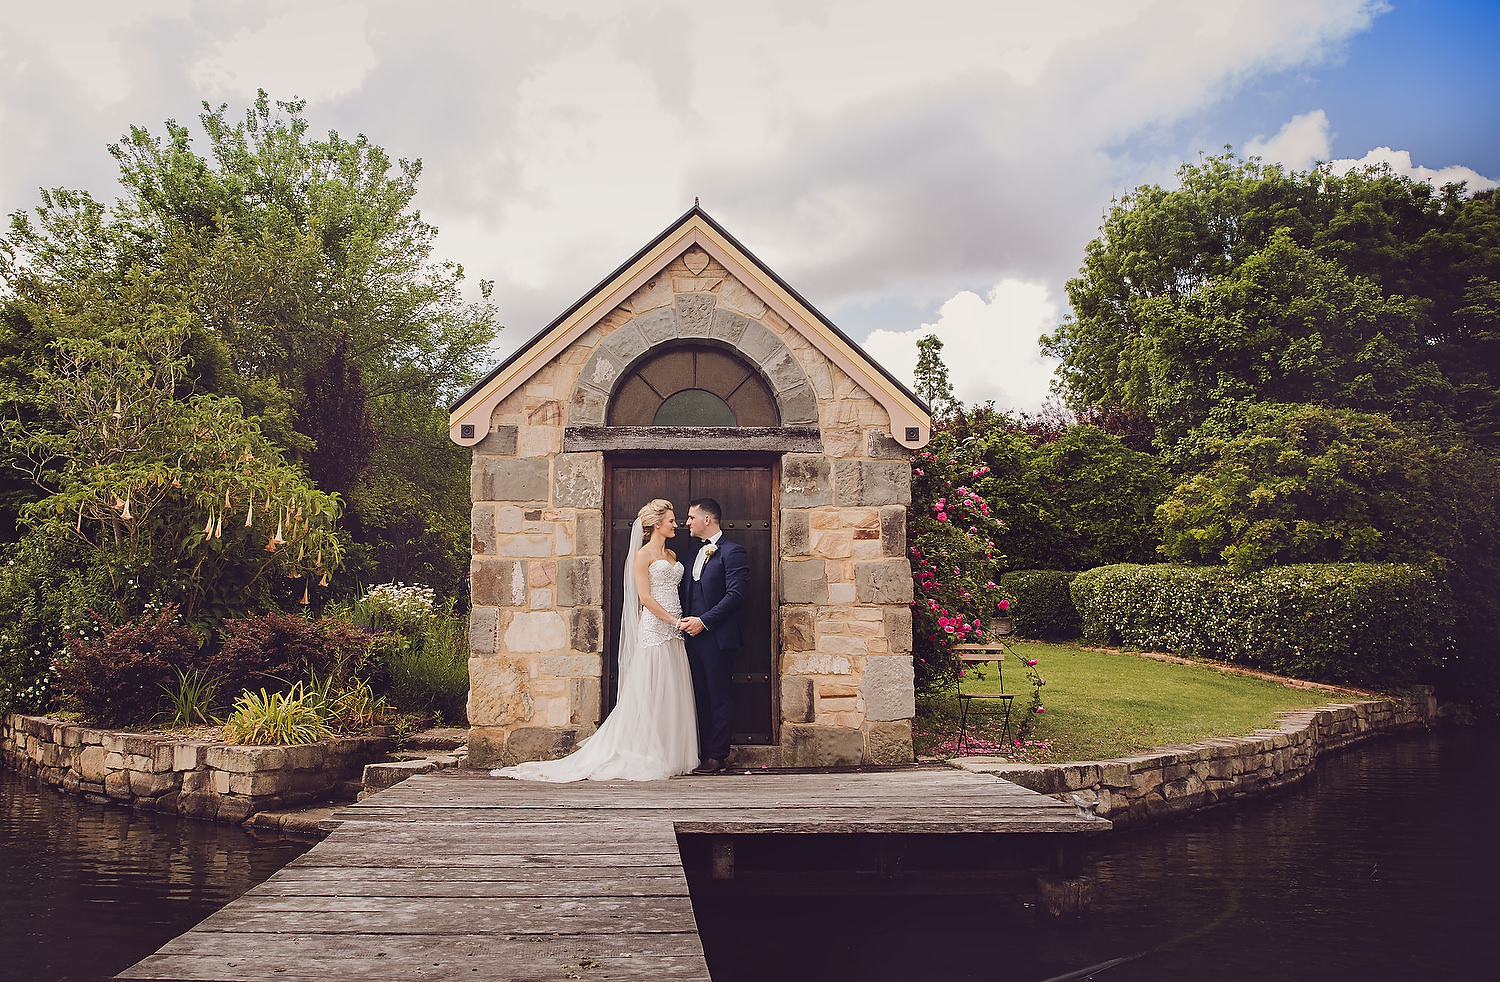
x=199, y=778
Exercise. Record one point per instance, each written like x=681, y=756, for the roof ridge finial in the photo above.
x=695, y=201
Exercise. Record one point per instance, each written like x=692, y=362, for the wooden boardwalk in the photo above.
x=457, y=875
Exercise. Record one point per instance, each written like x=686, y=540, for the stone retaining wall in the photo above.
x=198, y=778
x=1174, y=780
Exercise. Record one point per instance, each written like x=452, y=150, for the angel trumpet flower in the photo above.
x=304, y=594
x=277, y=539
x=250, y=515
x=126, y=513
x=208, y=526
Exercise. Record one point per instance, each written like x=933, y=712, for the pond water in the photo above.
x=88, y=889
x=1383, y=867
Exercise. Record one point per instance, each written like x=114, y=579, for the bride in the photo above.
x=652, y=733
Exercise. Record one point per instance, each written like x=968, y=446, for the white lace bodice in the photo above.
x=664, y=578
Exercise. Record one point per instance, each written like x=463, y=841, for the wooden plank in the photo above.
x=459, y=875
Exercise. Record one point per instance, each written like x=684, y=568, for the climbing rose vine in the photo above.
x=955, y=566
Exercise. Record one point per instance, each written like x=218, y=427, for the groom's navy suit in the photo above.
x=715, y=599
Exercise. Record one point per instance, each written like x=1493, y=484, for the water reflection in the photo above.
x=1381, y=867
x=89, y=888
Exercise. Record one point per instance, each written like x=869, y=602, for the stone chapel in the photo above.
x=693, y=370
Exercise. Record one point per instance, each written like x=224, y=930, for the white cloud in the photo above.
x=317, y=51
x=989, y=345
x=865, y=149
x=1400, y=163
x=1302, y=142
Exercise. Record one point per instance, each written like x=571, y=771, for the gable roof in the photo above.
x=695, y=227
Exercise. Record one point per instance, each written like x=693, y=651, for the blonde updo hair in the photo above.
x=651, y=514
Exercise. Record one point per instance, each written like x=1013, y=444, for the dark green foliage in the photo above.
x=1361, y=290
x=1070, y=497
x=429, y=668
x=46, y=594
x=1043, y=603
x=336, y=417
x=120, y=675
x=1283, y=484
x=1364, y=624
x=274, y=651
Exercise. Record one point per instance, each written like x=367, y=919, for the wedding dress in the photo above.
x=652, y=733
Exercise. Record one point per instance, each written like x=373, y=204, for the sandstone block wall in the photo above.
x=1174, y=780
x=197, y=778
x=537, y=629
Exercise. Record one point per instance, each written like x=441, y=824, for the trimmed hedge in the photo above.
x=1043, y=604
x=1365, y=624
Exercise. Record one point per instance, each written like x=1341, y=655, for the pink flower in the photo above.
x=1041, y=709
x=942, y=622
x=1002, y=605
x=1030, y=662
x=942, y=516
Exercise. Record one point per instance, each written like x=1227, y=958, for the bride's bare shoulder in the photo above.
x=671, y=556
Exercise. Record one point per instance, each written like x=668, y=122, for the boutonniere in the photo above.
x=709, y=550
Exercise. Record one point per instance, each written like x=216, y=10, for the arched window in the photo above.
x=693, y=385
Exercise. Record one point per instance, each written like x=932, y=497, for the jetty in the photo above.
x=457, y=875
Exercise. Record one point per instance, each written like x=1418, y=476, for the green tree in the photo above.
x=1248, y=281
x=1281, y=484
x=174, y=500
x=932, y=378
x=305, y=274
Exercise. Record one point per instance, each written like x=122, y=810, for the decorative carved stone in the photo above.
x=694, y=314
x=696, y=260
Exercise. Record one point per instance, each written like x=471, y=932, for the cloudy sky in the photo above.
x=907, y=167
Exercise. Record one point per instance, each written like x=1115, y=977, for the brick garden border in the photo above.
x=197, y=778
x=1180, y=778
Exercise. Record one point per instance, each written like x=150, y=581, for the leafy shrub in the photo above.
x=1044, y=606
x=266, y=719
x=43, y=598
x=430, y=671
x=1365, y=624
x=276, y=650
x=116, y=675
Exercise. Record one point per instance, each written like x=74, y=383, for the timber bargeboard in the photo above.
x=695, y=228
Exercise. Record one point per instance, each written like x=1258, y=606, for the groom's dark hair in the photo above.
x=708, y=506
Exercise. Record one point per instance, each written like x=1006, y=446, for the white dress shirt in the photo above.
x=702, y=556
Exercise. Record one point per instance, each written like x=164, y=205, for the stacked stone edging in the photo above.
x=197, y=778
x=1176, y=779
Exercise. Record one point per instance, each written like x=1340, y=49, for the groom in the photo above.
x=712, y=594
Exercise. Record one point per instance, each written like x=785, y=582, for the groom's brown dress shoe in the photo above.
x=709, y=766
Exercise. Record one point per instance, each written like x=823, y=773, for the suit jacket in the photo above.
x=723, y=586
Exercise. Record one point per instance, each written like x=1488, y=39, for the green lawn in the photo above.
x=1103, y=704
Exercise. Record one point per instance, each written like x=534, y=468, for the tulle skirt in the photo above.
x=650, y=735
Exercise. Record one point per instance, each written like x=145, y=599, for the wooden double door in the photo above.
x=745, y=490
